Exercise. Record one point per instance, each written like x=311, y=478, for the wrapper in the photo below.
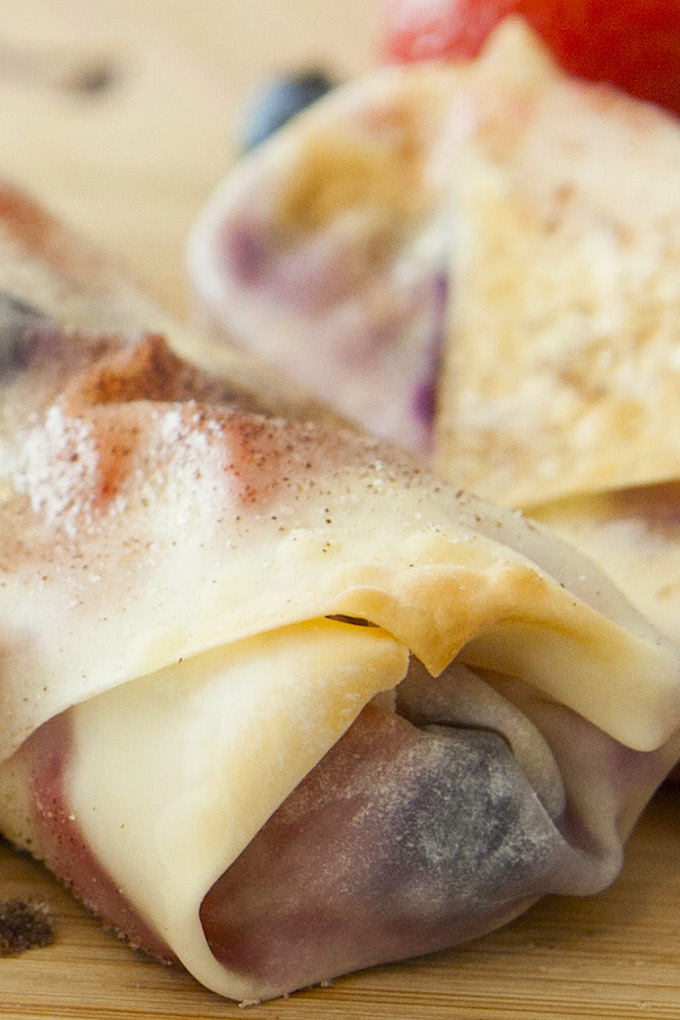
x=274, y=702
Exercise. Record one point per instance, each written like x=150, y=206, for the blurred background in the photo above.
x=121, y=115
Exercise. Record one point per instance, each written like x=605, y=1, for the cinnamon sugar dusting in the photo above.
x=127, y=450
x=24, y=924
x=136, y=432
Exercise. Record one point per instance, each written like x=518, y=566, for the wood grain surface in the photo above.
x=121, y=115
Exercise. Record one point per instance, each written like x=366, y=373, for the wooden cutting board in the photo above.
x=121, y=115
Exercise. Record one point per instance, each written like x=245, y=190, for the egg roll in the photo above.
x=478, y=259
x=488, y=254
x=276, y=703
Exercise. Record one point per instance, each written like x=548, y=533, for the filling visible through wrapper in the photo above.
x=309, y=801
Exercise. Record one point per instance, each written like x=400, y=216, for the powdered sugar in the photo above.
x=57, y=461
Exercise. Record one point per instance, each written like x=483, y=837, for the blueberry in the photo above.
x=278, y=100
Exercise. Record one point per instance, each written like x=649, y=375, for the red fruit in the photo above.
x=634, y=44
